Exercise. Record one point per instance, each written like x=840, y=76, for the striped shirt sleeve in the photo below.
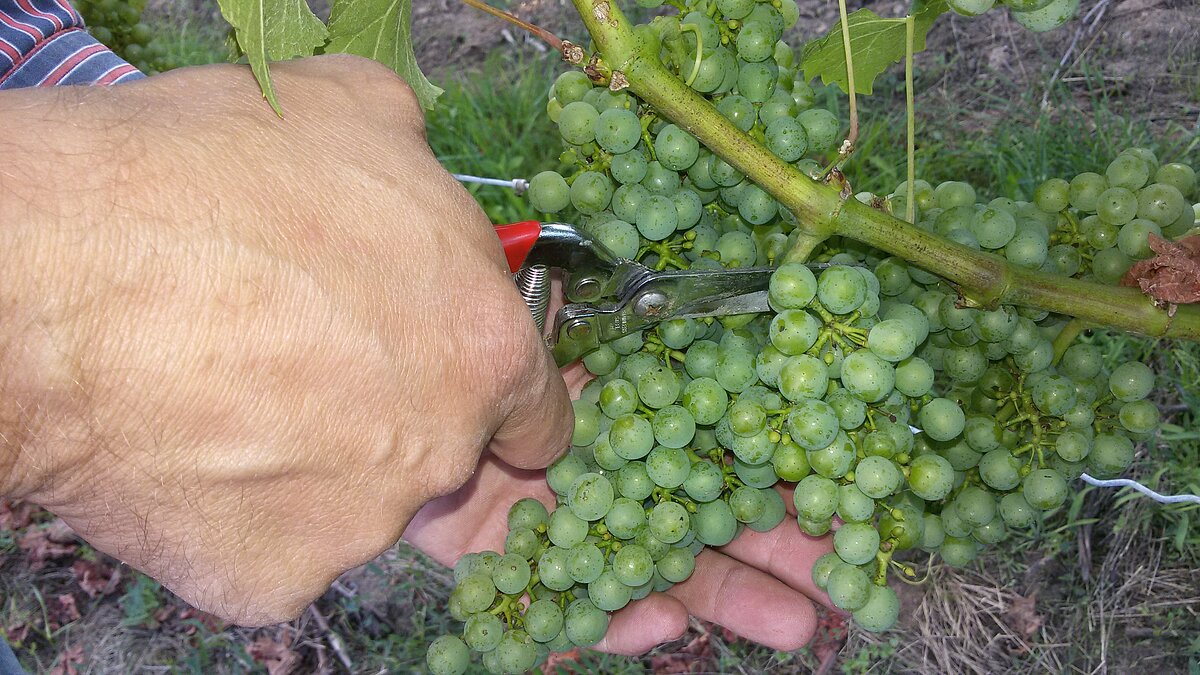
x=43, y=44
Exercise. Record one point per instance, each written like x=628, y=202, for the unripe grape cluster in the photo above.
x=901, y=415
x=118, y=25
x=1093, y=226
x=1035, y=15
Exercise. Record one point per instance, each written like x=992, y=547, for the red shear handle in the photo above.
x=517, y=240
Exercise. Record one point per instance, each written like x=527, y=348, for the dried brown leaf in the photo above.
x=275, y=653
x=96, y=578
x=1023, y=618
x=40, y=549
x=1172, y=275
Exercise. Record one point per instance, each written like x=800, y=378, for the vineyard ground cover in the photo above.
x=1107, y=584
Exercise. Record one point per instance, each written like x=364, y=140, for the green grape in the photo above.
x=1131, y=381
x=982, y=433
x=527, y=513
x=483, y=632
x=617, y=130
x=737, y=249
x=914, y=377
x=815, y=497
x=994, y=228
x=1133, y=239
x=971, y=7
x=790, y=462
x=629, y=168
x=1054, y=395
x=675, y=148
x=877, y=477
x=835, y=459
x=867, y=376
x=739, y=110
x=521, y=541
x=705, y=399
x=787, y=138
x=1117, y=205
x=821, y=127
x=1015, y=511
x=714, y=523
x=932, y=532
x=804, y=377
x=1110, y=264
x=1053, y=195
x=841, y=289
x=585, y=562
x=892, y=340
x=792, y=286
x=931, y=477
x=584, y=623
x=768, y=364
x=747, y=504
x=674, y=426
x=958, y=551
x=676, y=566
x=1085, y=191
x=591, y=496
x=755, y=42
x=1160, y=203
x=1127, y=171
x=669, y=522
x=448, y=655
x=756, y=81
x=1072, y=446
x=660, y=180
x=561, y=475
x=853, y=505
x=553, y=568
x=608, y=593
x=881, y=610
x=781, y=105
x=668, y=467
x=954, y=193
x=756, y=206
x=512, y=574
x=565, y=529
x=576, y=122
x=618, y=397
x=824, y=567
x=1028, y=248
x=1000, y=470
x=1139, y=417
x=688, y=208
x=548, y=192
x=1111, y=454
x=856, y=543
x=476, y=592
x=851, y=411
x=992, y=533
x=1053, y=15
x=755, y=449
x=543, y=620
x=794, y=331
x=631, y=436
x=587, y=423
x=735, y=9
x=658, y=387
x=996, y=325
x=848, y=587
x=570, y=86
x=975, y=506
x=591, y=192
x=1180, y=176
x=1102, y=235
x=1045, y=489
x=813, y=424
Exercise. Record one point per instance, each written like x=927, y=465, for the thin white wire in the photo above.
x=1125, y=482
x=518, y=185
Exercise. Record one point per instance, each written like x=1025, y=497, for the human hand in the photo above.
x=759, y=586
x=239, y=352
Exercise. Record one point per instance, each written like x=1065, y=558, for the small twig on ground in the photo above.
x=335, y=642
x=541, y=33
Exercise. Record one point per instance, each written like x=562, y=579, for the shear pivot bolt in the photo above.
x=578, y=329
x=650, y=304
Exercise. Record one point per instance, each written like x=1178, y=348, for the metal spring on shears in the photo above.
x=533, y=283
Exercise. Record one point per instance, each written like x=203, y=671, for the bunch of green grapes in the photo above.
x=118, y=25
x=1035, y=15
x=1093, y=226
x=902, y=417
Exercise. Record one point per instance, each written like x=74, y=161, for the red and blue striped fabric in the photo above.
x=43, y=44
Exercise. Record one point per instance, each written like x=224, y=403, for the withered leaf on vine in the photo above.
x=1172, y=275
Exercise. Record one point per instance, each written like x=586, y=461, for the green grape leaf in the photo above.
x=380, y=30
x=875, y=44
x=273, y=30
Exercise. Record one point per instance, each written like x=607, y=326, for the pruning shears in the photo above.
x=610, y=297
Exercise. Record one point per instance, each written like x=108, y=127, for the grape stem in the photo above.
x=1066, y=337
x=984, y=277
x=852, y=137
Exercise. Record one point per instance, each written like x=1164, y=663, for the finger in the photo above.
x=575, y=375
x=748, y=602
x=539, y=427
x=645, y=624
x=785, y=553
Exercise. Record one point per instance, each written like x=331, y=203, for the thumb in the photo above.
x=539, y=427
